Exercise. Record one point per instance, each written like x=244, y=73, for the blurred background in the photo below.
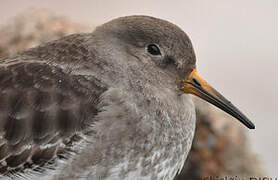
x=236, y=48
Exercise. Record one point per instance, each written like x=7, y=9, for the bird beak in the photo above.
x=199, y=87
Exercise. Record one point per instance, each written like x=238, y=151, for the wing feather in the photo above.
x=42, y=110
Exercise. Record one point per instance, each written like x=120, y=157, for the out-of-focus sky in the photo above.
x=235, y=43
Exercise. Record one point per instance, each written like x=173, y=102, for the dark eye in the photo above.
x=153, y=49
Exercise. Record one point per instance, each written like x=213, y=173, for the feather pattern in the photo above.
x=43, y=113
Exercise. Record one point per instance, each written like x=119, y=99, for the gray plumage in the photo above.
x=98, y=105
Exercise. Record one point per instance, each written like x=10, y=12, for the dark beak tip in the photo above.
x=252, y=126
x=249, y=124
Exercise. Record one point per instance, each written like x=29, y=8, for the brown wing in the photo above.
x=43, y=111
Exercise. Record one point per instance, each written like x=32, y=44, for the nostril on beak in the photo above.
x=197, y=82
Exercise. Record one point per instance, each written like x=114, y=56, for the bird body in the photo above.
x=89, y=113
x=102, y=105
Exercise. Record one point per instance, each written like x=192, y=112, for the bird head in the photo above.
x=169, y=48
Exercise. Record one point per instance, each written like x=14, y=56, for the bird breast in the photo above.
x=137, y=135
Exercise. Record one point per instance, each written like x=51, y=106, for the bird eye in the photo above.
x=153, y=49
